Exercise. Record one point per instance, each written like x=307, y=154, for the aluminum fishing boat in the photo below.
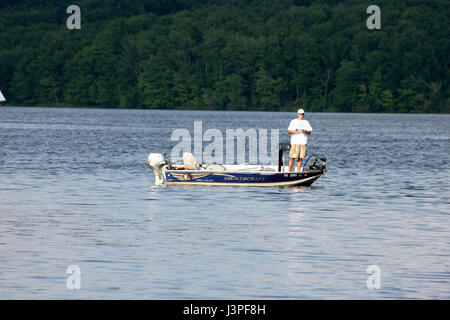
x=191, y=173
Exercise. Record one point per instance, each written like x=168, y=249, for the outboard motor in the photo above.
x=156, y=162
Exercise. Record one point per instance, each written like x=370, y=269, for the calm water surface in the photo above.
x=75, y=190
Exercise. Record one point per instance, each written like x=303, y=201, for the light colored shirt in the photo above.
x=299, y=137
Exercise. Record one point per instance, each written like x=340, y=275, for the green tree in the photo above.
x=267, y=91
x=228, y=54
x=155, y=85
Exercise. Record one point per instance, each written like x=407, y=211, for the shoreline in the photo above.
x=204, y=109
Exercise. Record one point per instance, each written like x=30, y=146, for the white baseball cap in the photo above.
x=301, y=111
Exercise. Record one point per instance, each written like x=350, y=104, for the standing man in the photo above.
x=298, y=129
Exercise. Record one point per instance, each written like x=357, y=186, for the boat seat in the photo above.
x=189, y=161
x=215, y=167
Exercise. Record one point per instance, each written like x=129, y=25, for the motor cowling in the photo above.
x=156, y=162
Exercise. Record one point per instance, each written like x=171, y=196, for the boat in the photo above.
x=191, y=173
x=2, y=97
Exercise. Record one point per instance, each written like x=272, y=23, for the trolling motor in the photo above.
x=315, y=166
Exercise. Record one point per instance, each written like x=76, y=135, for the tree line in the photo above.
x=227, y=55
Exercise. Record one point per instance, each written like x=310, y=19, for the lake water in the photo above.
x=75, y=190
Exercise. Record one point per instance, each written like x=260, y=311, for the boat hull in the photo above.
x=211, y=178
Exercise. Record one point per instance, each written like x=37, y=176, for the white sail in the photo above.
x=2, y=98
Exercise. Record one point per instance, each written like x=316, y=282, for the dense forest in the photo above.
x=227, y=55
